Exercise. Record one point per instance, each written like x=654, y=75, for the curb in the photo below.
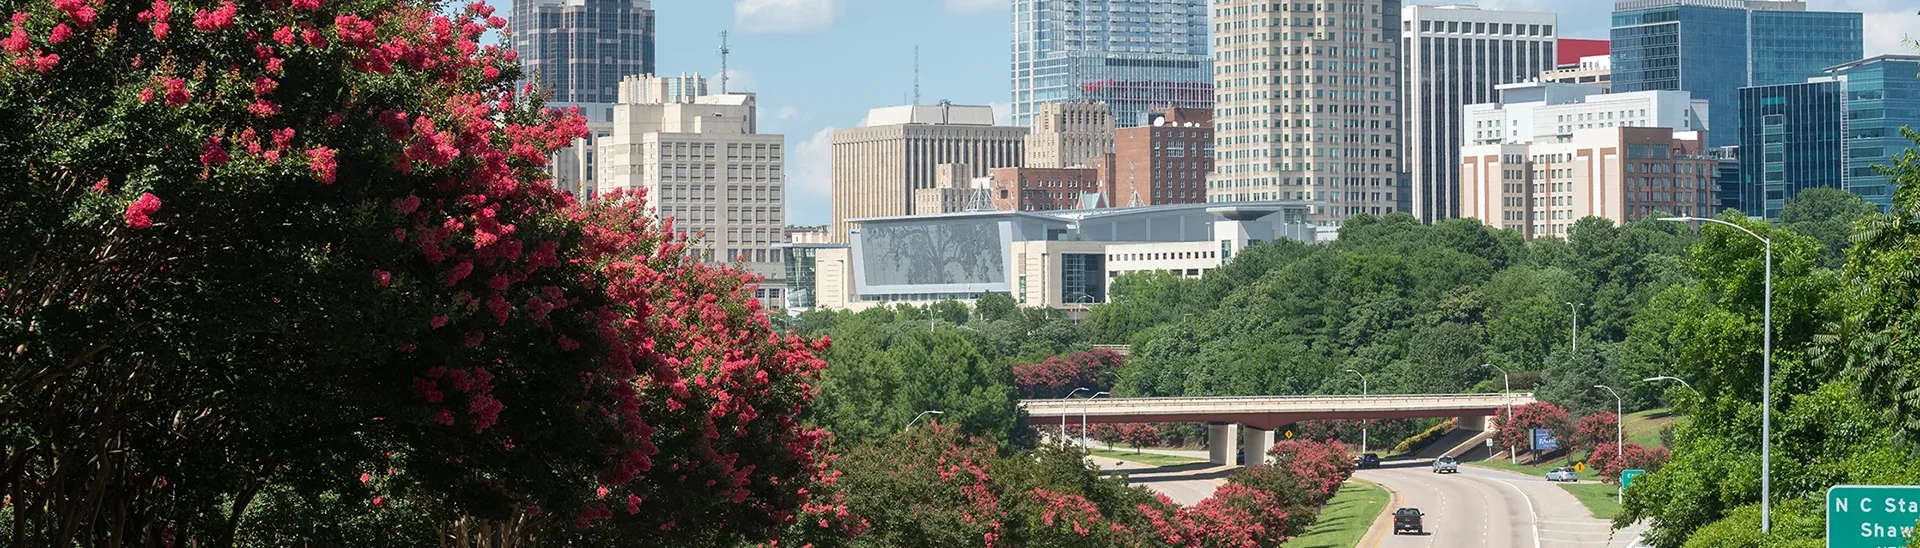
x=1381, y=523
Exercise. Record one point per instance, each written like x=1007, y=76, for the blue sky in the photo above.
x=818, y=65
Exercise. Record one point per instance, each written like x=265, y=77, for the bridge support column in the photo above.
x=1472, y=423
x=1221, y=442
x=1257, y=442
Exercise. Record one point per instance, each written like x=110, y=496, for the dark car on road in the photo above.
x=1408, y=520
x=1366, y=461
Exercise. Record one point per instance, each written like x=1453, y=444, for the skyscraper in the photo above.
x=1791, y=142
x=1712, y=48
x=1307, y=107
x=702, y=160
x=878, y=166
x=1134, y=55
x=1883, y=94
x=1455, y=55
x=580, y=49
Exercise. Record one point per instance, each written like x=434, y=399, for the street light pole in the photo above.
x=1766, y=375
x=916, y=418
x=1619, y=438
x=1363, y=422
x=1506, y=393
x=1063, y=416
x=1576, y=325
x=1083, y=418
x=1682, y=382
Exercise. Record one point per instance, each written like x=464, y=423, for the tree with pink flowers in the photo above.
x=1607, y=459
x=1591, y=431
x=295, y=268
x=1518, y=433
x=1058, y=376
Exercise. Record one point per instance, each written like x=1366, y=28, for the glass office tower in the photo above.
x=1134, y=55
x=1882, y=95
x=1711, y=48
x=1790, y=142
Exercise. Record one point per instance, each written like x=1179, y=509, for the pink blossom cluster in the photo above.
x=1607, y=459
x=1057, y=375
x=702, y=396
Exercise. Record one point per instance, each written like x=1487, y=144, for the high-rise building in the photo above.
x=1791, y=142
x=1455, y=55
x=1163, y=162
x=1883, y=94
x=580, y=49
x=702, y=161
x=1046, y=189
x=1069, y=135
x=1306, y=106
x=1620, y=173
x=1726, y=186
x=1540, y=112
x=1133, y=55
x=878, y=166
x=1712, y=48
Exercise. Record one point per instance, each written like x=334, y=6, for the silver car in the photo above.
x=1563, y=474
x=1446, y=465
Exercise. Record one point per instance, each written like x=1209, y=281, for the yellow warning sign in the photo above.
x=1580, y=467
x=1289, y=434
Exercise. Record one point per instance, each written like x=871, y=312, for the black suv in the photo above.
x=1408, y=520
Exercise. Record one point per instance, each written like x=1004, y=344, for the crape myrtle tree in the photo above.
x=289, y=272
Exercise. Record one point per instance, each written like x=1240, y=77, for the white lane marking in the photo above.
x=1532, y=514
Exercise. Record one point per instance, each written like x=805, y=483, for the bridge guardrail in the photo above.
x=1262, y=399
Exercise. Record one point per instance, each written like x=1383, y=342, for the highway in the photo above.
x=1490, y=508
x=1477, y=508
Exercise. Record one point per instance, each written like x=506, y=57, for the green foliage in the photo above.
x=1571, y=376
x=1415, y=308
x=1827, y=215
x=880, y=376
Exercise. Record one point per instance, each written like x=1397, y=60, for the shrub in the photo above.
x=1426, y=437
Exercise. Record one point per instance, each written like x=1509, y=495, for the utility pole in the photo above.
x=724, y=51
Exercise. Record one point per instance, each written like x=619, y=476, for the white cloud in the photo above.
x=810, y=180
x=785, y=16
x=738, y=81
x=972, y=7
x=786, y=112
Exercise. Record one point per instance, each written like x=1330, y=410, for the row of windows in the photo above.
x=1466, y=27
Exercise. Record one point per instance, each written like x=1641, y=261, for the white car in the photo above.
x=1446, y=465
x=1563, y=474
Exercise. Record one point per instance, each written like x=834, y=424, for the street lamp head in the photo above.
x=1099, y=394
x=938, y=412
x=1679, y=219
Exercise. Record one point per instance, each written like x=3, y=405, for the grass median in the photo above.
x=1346, y=518
x=1154, y=459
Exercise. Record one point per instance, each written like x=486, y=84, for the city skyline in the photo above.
x=820, y=65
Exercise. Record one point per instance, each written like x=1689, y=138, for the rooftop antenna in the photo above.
x=916, y=75
x=723, y=62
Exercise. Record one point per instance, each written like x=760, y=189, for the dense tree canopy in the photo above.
x=291, y=273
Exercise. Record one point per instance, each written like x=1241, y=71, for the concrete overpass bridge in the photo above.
x=1260, y=416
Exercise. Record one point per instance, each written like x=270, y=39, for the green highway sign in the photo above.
x=1871, y=516
x=1627, y=477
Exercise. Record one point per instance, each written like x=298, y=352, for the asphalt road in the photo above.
x=1493, y=509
